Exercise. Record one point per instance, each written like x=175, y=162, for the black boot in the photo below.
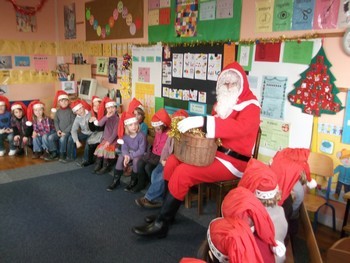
x=98, y=164
x=116, y=180
x=141, y=183
x=91, y=156
x=133, y=182
x=160, y=226
x=107, y=165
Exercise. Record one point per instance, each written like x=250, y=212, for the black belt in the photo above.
x=233, y=154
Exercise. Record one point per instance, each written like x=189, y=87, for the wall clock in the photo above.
x=346, y=41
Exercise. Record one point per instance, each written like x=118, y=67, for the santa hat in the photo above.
x=288, y=165
x=19, y=105
x=135, y=103
x=93, y=100
x=60, y=95
x=126, y=119
x=161, y=117
x=231, y=240
x=5, y=101
x=180, y=113
x=260, y=179
x=35, y=104
x=242, y=203
x=105, y=103
x=77, y=104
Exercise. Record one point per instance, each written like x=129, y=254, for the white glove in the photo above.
x=190, y=123
x=2, y=131
x=312, y=184
x=280, y=249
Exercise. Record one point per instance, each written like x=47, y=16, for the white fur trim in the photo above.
x=16, y=106
x=222, y=258
x=141, y=107
x=156, y=123
x=312, y=184
x=266, y=194
x=244, y=104
x=210, y=127
x=96, y=99
x=280, y=249
x=120, y=141
x=230, y=167
x=53, y=110
x=130, y=121
x=38, y=106
x=29, y=123
x=111, y=104
x=77, y=107
x=2, y=103
x=61, y=97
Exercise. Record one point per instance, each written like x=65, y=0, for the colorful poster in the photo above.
x=224, y=9
x=207, y=10
x=264, y=15
x=303, y=14
x=153, y=17
x=245, y=56
x=144, y=92
x=186, y=19
x=22, y=61
x=70, y=31
x=166, y=72
x=153, y=4
x=112, y=70
x=268, y=52
x=41, y=63
x=26, y=23
x=189, y=60
x=102, y=66
x=344, y=14
x=144, y=74
x=5, y=62
x=275, y=134
x=201, y=65
x=282, y=15
x=164, y=16
x=326, y=14
x=214, y=66
x=298, y=52
x=273, y=97
x=229, y=54
x=177, y=65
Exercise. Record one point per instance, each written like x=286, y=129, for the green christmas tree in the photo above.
x=315, y=92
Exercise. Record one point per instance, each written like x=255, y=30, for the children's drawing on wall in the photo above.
x=144, y=74
x=343, y=171
x=5, y=62
x=112, y=70
x=22, y=61
x=214, y=66
x=102, y=66
x=70, y=31
x=26, y=23
x=186, y=18
x=166, y=52
x=166, y=72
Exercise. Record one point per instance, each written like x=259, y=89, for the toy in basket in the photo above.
x=192, y=147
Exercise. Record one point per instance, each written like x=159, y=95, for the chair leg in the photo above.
x=315, y=221
x=218, y=202
x=333, y=215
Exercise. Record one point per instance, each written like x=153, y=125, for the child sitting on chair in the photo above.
x=64, y=118
x=105, y=151
x=42, y=128
x=133, y=146
x=155, y=193
x=6, y=132
x=160, y=121
x=21, y=132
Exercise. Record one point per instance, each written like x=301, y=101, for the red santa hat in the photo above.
x=19, y=105
x=105, y=103
x=231, y=240
x=77, y=104
x=60, y=95
x=241, y=203
x=35, y=104
x=260, y=179
x=288, y=165
x=161, y=117
x=135, y=103
x=5, y=101
x=93, y=100
x=126, y=119
x=180, y=113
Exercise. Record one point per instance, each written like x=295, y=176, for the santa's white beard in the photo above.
x=226, y=101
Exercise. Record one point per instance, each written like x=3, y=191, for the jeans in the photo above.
x=53, y=138
x=42, y=142
x=71, y=146
x=9, y=137
x=156, y=190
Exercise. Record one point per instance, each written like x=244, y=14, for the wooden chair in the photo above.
x=322, y=166
x=339, y=251
x=221, y=188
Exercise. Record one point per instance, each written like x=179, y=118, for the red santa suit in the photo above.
x=237, y=132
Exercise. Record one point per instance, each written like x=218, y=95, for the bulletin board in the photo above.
x=202, y=91
x=108, y=19
x=215, y=28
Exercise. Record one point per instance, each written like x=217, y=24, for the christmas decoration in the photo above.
x=315, y=92
x=126, y=61
x=25, y=11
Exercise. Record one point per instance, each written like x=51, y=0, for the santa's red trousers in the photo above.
x=182, y=176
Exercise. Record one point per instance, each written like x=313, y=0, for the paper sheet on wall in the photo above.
x=189, y=62
x=245, y=56
x=214, y=66
x=264, y=15
x=207, y=11
x=300, y=53
x=41, y=63
x=201, y=66
x=275, y=134
x=177, y=65
x=145, y=93
x=229, y=54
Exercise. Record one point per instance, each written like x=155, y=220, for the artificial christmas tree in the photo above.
x=315, y=92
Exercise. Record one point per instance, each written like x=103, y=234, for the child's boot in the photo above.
x=116, y=180
x=107, y=165
x=98, y=164
x=133, y=182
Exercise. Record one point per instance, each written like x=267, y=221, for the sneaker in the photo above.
x=144, y=202
x=62, y=158
x=51, y=157
x=2, y=153
x=36, y=155
x=44, y=155
x=12, y=152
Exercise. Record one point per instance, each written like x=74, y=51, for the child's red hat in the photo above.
x=161, y=117
x=30, y=110
x=5, y=101
x=60, y=94
x=126, y=119
x=19, y=105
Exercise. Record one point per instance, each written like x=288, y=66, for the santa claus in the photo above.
x=235, y=120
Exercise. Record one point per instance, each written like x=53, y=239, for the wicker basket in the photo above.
x=195, y=150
